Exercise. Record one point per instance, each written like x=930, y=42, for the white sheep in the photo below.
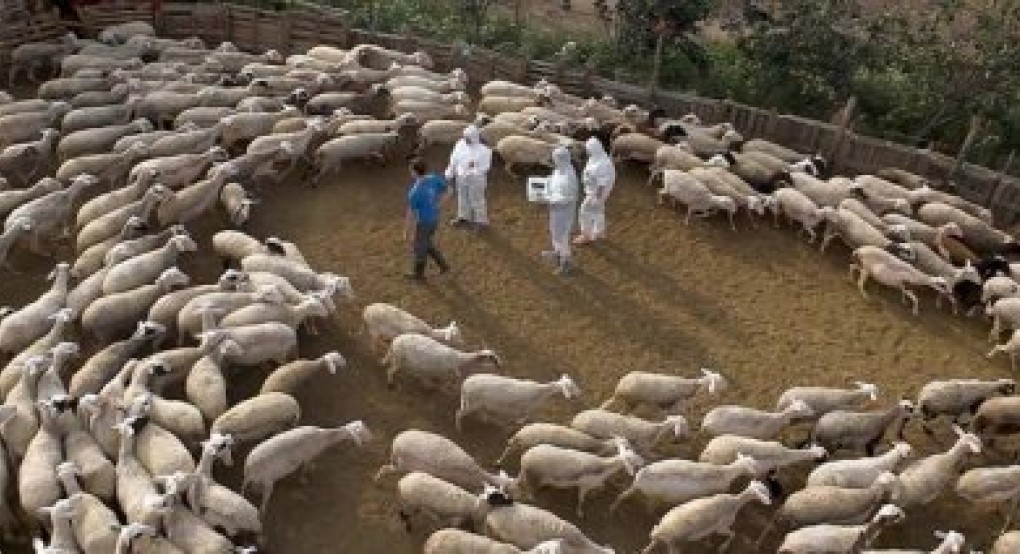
x=851, y=228
x=770, y=455
x=414, y=450
x=30, y=56
x=180, y=418
x=38, y=485
x=859, y=472
x=843, y=429
x=644, y=435
x=704, y=517
x=205, y=385
x=749, y=422
x=1011, y=348
x=116, y=314
x=98, y=140
x=258, y=417
x=259, y=343
x=50, y=215
x=823, y=400
x=430, y=360
x=535, y=434
x=840, y=539
x=1006, y=543
x=109, y=224
x=385, y=322
x=991, y=486
x=20, y=427
x=505, y=400
x=298, y=274
x=799, y=208
x=680, y=186
x=189, y=315
x=673, y=482
x=312, y=306
x=291, y=450
x=22, y=327
x=444, y=503
x=95, y=527
x=891, y=271
x=289, y=377
x=528, y=527
x=455, y=541
x=978, y=234
x=956, y=397
x=664, y=392
x=924, y=480
x=546, y=465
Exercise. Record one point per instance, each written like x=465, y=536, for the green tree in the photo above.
x=652, y=25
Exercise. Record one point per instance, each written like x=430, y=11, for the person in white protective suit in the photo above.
x=562, y=196
x=469, y=169
x=598, y=179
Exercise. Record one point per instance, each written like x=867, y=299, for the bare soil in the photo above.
x=759, y=305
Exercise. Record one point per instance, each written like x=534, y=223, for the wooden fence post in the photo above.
x=844, y=117
x=977, y=124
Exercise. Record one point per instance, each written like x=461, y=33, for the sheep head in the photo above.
x=568, y=387
x=712, y=381
x=867, y=389
x=333, y=361
x=358, y=432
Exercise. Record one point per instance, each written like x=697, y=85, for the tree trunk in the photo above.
x=660, y=44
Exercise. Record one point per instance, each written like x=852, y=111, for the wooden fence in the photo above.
x=298, y=29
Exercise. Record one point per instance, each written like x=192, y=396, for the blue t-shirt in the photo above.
x=423, y=198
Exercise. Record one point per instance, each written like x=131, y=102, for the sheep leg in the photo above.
x=1009, y=514
x=651, y=547
x=462, y=411
x=765, y=532
x=687, y=219
x=827, y=237
x=582, y=493
x=631, y=491
x=861, y=281
x=384, y=471
x=506, y=452
x=12, y=74
x=267, y=491
x=730, y=535
x=913, y=298
x=732, y=224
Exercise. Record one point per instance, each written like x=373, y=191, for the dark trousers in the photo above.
x=425, y=248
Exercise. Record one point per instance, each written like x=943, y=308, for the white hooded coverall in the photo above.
x=562, y=191
x=469, y=165
x=598, y=178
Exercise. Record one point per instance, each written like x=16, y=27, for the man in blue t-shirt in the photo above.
x=427, y=194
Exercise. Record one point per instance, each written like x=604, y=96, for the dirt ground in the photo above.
x=759, y=305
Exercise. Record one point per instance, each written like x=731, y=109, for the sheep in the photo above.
x=636, y=147
x=455, y=541
x=180, y=418
x=823, y=400
x=376, y=101
x=799, y=208
x=951, y=542
x=21, y=426
x=30, y=56
x=414, y=450
x=674, y=482
x=94, y=528
x=668, y=393
x=853, y=230
x=978, y=234
x=377, y=57
x=104, y=364
x=135, y=272
x=19, y=228
x=428, y=111
x=704, y=517
x=283, y=454
x=762, y=178
x=859, y=472
x=21, y=328
x=117, y=312
x=527, y=526
x=11, y=199
x=679, y=186
x=66, y=88
x=505, y=400
x=241, y=128
x=167, y=308
x=770, y=455
x=964, y=282
x=259, y=343
x=97, y=473
x=82, y=65
x=998, y=287
x=672, y=156
x=98, y=140
x=1005, y=314
x=924, y=480
x=102, y=116
x=189, y=316
x=446, y=84
x=991, y=485
x=191, y=203
x=929, y=195
x=822, y=193
x=385, y=322
x=841, y=429
x=23, y=163
x=51, y=214
x=442, y=502
x=60, y=515
x=234, y=61
x=233, y=246
x=329, y=158
x=832, y=505
x=179, y=171
x=554, y=466
x=87, y=291
x=116, y=199
x=430, y=360
x=534, y=434
x=162, y=106
x=748, y=422
x=148, y=139
x=123, y=32
x=51, y=384
x=109, y=168
x=203, y=117
x=205, y=386
x=288, y=378
x=1006, y=543
x=258, y=417
x=29, y=126
x=887, y=269
x=840, y=539
x=192, y=141
x=644, y=435
x=996, y=417
x=184, y=528
x=127, y=249
x=956, y=397
x=218, y=506
x=38, y=485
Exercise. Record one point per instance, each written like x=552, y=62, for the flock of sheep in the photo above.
x=120, y=154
